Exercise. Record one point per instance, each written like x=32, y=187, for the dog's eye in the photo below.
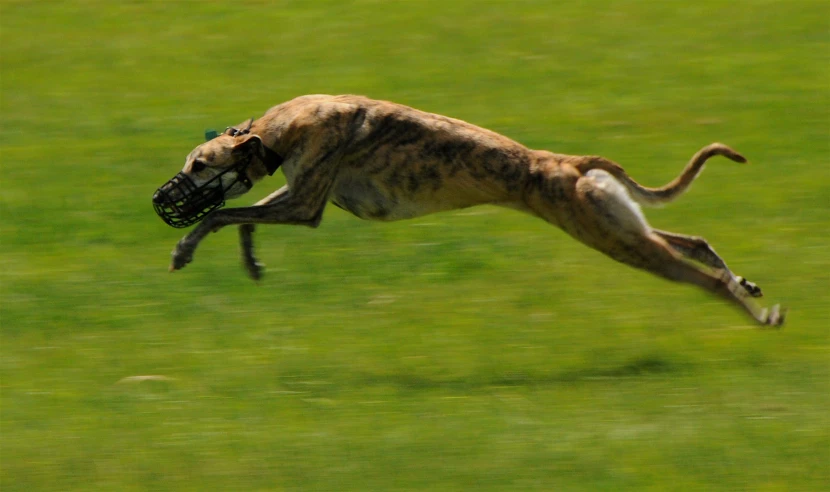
x=198, y=166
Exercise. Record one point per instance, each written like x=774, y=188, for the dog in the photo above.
x=384, y=161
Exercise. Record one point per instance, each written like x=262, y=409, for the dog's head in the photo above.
x=216, y=170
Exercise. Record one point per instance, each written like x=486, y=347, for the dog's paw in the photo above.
x=253, y=267
x=775, y=316
x=181, y=256
x=751, y=288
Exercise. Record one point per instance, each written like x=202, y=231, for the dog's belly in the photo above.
x=409, y=191
x=365, y=199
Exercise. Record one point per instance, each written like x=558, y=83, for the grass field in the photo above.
x=474, y=350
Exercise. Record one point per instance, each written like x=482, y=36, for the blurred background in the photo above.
x=472, y=349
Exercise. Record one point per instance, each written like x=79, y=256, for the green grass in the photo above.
x=475, y=350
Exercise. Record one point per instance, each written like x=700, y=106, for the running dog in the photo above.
x=384, y=161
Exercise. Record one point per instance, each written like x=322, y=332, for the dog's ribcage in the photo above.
x=400, y=166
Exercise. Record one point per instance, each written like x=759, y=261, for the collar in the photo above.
x=272, y=160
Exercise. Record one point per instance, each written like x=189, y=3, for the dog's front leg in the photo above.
x=246, y=238
x=183, y=252
x=246, y=243
x=285, y=208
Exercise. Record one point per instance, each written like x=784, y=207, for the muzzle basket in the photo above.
x=181, y=203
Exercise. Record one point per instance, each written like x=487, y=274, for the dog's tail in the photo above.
x=657, y=196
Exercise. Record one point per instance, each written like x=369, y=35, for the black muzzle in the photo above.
x=181, y=203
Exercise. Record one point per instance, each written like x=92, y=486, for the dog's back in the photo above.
x=398, y=162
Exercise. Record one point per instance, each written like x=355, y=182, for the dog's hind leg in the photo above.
x=698, y=249
x=604, y=217
x=661, y=259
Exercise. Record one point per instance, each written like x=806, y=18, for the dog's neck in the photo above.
x=267, y=164
x=276, y=133
x=263, y=166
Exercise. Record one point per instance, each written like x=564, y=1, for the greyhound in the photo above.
x=384, y=161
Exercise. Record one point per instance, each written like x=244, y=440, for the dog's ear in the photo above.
x=249, y=144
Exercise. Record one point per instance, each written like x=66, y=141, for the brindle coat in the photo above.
x=384, y=161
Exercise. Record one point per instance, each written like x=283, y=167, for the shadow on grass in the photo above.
x=639, y=368
x=650, y=365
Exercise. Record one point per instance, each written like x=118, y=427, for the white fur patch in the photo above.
x=620, y=204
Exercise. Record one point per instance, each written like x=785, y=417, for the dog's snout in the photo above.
x=158, y=198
